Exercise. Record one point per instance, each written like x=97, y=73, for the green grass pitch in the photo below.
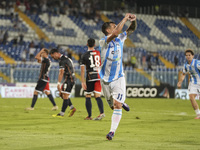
x=152, y=124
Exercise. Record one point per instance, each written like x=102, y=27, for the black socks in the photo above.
x=51, y=99
x=65, y=104
x=100, y=104
x=34, y=100
x=88, y=105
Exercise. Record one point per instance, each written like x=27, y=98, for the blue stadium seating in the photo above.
x=159, y=30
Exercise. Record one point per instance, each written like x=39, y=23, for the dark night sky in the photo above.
x=171, y=2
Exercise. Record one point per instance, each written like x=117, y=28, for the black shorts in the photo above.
x=42, y=86
x=93, y=86
x=67, y=87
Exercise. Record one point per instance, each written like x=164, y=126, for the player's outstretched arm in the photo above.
x=118, y=28
x=133, y=24
x=38, y=56
x=181, y=80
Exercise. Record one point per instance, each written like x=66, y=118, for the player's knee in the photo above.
x=35, y=93
x=96, y=95
x=88, y=95
x=47, y=93
x=117, y=105
x=65, y=96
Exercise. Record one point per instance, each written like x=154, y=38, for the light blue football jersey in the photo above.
x=111, y=57
x=194, y=70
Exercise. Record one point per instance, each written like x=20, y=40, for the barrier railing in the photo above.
x=133, y=78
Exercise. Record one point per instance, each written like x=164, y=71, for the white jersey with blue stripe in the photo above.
x=194, y=70
x=111, y=57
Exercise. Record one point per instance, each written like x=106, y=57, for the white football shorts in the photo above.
x=114, y=90
x=193, y=88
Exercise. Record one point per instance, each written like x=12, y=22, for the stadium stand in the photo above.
x=166, y=36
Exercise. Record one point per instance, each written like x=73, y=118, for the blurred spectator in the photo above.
x=148, y=60
x=18, y=3
x=133, y=61
x=88, y=10
x=5, y=37
x=157, y=9
x=143, y=60
x=97, y=16
x=126, y=60
x=33, y=7
x=27, y=5
x=118, y=12
x=79, y=54
x=36, y=43
x=82, y=6
x=31, y=51
x=11, y=11
x=59, y=24
x=23, y=56
x=15, y=40
x=157, y=59
x=122, y=5
x=43, y=6
x=74, y=11
x=69, y=53
x=175, y=61
x=56, y=9
x=16, y=22
x=1, y=36
x=96, y=5
x=21, y=38
x=42, y=42
x=49, y=17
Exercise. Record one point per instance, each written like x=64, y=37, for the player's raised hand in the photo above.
x=127, y=16
x=132, y=17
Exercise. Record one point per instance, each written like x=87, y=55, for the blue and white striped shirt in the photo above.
x=111, y=58
x=194, y=70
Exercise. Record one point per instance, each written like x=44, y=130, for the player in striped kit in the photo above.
x=111, y=73
x=192, y=67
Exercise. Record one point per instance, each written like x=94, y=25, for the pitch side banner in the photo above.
x=163, y=91
x=26, y=92
x=183, y=94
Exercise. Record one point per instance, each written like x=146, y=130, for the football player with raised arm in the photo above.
x=43, y=82
x=66, y=72
x=92, y=61
x=192, y=67
x=111, y=73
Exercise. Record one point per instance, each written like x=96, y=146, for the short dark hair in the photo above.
x=91, y=42
x=105, y=26
x=54, y=50
x=190, y=51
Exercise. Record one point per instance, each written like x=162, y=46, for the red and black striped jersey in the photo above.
x=92, y=60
